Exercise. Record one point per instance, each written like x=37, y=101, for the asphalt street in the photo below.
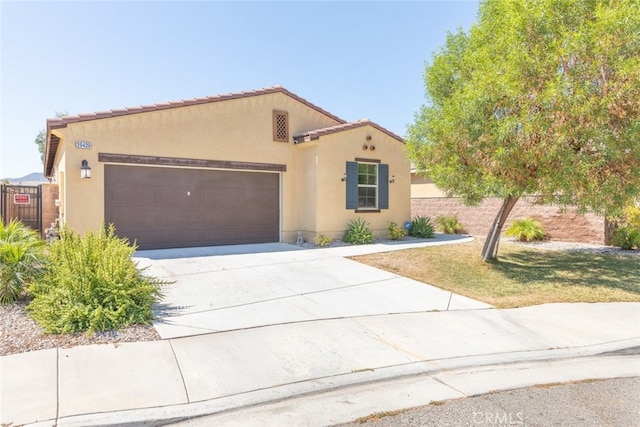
x=609, y=402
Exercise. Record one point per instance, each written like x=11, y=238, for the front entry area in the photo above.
x=162, y=207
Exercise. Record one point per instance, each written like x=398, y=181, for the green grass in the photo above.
x=521, y=276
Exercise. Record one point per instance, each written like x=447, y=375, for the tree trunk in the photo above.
x=490, y=249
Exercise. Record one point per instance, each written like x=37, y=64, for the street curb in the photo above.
x=467, y=365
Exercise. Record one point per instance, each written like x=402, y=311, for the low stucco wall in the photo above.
x=566, y=226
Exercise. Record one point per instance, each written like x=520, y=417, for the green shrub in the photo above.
x=449, y=224
x=632, y=216
x=322, y=240
x=396, y=232
x=21, y=259
x=92, y=284
x=358, y=232
x=626, y=237
x=422, y=227
x=526, y=230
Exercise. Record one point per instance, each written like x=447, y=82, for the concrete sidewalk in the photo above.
x=332, y=366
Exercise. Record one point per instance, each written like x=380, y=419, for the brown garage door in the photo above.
x=170, y=208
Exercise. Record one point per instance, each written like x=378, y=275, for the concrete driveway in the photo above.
x=220, y=289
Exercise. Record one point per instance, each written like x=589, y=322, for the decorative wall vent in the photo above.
x=280, y=126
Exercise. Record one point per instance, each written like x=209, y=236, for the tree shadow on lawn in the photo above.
x=572, y=269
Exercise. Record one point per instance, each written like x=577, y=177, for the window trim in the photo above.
x=375, y=186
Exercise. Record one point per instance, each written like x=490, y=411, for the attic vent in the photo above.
x=281, y=126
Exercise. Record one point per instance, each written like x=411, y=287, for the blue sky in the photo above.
x=358, y=59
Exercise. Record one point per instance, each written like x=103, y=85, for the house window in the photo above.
x=281, y=126
x=367, y=185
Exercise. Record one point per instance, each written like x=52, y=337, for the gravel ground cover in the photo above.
x=554, y=245
x=19, y=333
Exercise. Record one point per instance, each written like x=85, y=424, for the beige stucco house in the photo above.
x=250, y=167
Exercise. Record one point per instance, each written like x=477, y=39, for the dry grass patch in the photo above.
x=522, y=276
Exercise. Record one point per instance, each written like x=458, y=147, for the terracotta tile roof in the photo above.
x=61, y=122
x=317, y=133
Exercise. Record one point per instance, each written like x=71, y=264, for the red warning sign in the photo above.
x=22, y=199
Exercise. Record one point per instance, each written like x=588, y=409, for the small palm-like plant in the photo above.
x=21, y=259
x=526, y=230
x=358, y=232
x=450, y=224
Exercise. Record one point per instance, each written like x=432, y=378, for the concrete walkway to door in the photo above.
x=229, y=288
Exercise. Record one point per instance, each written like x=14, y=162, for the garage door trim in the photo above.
x=189, y=163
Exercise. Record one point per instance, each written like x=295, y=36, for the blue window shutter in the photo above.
x=383, y=186
x=352, y=185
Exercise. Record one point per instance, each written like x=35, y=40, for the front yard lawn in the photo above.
x=522, y=276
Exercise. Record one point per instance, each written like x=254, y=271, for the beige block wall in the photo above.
x=566, y=226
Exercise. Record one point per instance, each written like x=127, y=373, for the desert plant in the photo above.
x=449, y=224
x=395, y=231
x=422, y=227
x=21, y=259
x=322, y=240
x=626, y=237
x=526, y=230
x=92, y=284
x=358, y=232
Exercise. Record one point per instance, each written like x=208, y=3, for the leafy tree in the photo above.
x=539, y=97
x=41, y=138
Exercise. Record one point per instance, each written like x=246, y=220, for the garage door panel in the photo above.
x=170, y=207
x=180, y=217
x=249, y=221
x=172, y=196
x=222, y=219
x=257, y=235
x=224, y=179
x=222, y=197
x=137, y=195
x=144, y=178
x=135, y=218
x=260, y=181
x=260, y=198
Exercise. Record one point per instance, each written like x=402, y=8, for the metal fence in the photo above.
x=22, y=202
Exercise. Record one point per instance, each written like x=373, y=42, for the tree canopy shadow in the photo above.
x=569, y=268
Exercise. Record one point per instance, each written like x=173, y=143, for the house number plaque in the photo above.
x=83, y=145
